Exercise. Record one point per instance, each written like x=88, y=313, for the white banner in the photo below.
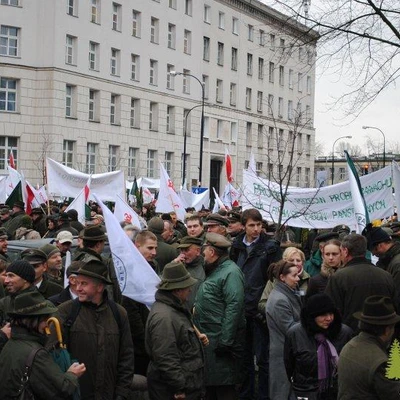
x=3, y=188
x=123, y=212
x=68, y=182
x=196, y=200
x=319, y=208
x=396, y=180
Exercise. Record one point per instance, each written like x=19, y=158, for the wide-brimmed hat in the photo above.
x=19, y=204
x=63, y=217
x=34, y=256
x=188, y=241
x=378, y=310
x=175, y=276
x=216, y=219
x=32, y=304
x=375, y=236
x=93, y=233
x=95, y=269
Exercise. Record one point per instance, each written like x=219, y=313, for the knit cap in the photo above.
x=49, y=250
x=23, y=269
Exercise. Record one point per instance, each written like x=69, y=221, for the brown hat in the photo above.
x=93, y=233
x=378, y=310
x=37, y=211
x=49, y=250
x=234, y=217
x=34, y=256
x=216, y=219
x=20, y=204
x=156, y=225
x=31, y=304
x=4, y=211
x=74, y=268
x=3, y=234
x=95, y=269
x=217, y=240
x=188, y=241
x=175, y=276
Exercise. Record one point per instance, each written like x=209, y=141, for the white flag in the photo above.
x=80, y=201
x=231, y=196
x=3, y=189
x=137, y=279
x=123, y=212
x=218, y=203
x=252, y=163
x=168, y=200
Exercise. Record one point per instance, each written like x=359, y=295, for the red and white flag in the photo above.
x=11, y=160
x=80, y=201
x=228, y=166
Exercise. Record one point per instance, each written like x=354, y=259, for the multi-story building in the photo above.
x=91, y=84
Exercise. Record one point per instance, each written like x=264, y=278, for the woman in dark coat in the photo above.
x=312, y=348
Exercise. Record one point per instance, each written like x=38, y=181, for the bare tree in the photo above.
x=353, y=149
x=45, y=150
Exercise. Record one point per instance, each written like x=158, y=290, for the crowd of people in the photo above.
x=242, y=311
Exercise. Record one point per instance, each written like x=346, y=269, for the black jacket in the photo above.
x=61, y=297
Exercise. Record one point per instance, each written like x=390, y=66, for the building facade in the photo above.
x=103, y=85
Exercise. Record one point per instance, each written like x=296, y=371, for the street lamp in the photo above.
x=333, y=154
x=173, y=73
x=384, y=142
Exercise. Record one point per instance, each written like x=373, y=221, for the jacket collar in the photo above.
x=166, y=297
x=358, y=261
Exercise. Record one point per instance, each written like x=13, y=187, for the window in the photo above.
x=168, y=162
x=187, y=42
x=115, y=109
x=189, y=7
x=171, y=36
x=270, y=170
x=114, y=62
x=280, y=107
x=272, y=41
x=282, y=45
x=281, y=142
x=70, y=102
x=300, y=54
x=153, y=116
x=95, y=11
x=342, y=175
x=260, y=136
x=290, y=79
x=135, y=67
x=151, y=162
x=170, y=78
x=234, y=59
x=206, y=127
x=308, y=144
x=154, y=30
x=281, y=75
x=308, y=115
x=299, y=143
x=8, y=143
x=207, y=14
x=249, y=64
x=259, y=101
x=187, y=123
x=307, y=175
x=112, y=157
x=300, y=82
x=91, y=153
x=232, y=94
x=271, y=136
x=219, y=91
x=206, y=85
x=8, y=94
x=68, y=153
x=170, y=126
x=136, y=23
x=220, y=55
x=116, y=16
x=172, y=4
x=310, y=57
x=270, y=104
x=153, y=72
x=135, y=113
x=133, y=156
x=248, y=98
x=234, y=131
x=9, y=2
x=94, y=105
x=299, y=112
x=260, y=68
x=308, y=84
x=72, y=7
x=250, y=33
x=248, y=133
x=259, y=167
x=298, y=176
x=206, y=48
x=261, y=38
x=290, y=110
x=70, y=51
x=235, y=26
x=221, y=20
x=271, y=72
x=9, y=41
x=93, y=56
x=220, y=128
x=186, y=81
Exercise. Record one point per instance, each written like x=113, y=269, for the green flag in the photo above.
x=16, y=195
x=138, y=194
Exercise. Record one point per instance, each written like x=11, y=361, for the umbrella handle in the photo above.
x=57, y=325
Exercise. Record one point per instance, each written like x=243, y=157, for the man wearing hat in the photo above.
x=63, y=242
x=4, y=216
x=235, y=226
x=54, y=264
x=219, y=313
x=39, y=220
x=358, y=279
x=64, y=224
x=216, y=223
x=364, y=360
x=98, y=335
x=17, y=216
x=176, y=369
x=73, y=217
x=3, y=245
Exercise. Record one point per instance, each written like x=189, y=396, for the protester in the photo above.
x=363, y=361
x=235, y=226
x=146, y=243
x=64, y=242
x=54, y=264
x=73, y=217
x=177, y=224
x=283, y=311
x=64, y=224
x=176, y=369
x=194, y=225
x=51, y=226
x=25, y=230
x=312, y=348
x=46, y=380
x=5, y=216
x=18, y=212
x=216, y=223
x=39, y=221
x=3, y=245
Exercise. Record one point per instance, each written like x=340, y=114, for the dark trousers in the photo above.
x=257, y=344
x=227, y=392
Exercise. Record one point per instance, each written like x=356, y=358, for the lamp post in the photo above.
x=333, y=155
x=173, y=73
x=384, y=142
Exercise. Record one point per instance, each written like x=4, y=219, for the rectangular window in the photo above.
x=206, y=48
x=95, y=11
x=170, y=77
x=260, y=136
x=234, y=131
x=171, y=36
x=9, y=2
x=234, y=59
x=259, y=101
x=135, y=67
x=151, y=163
x=281, y=75
x=9, y=36
x=206, y=86
x=116, y=17
x=221, y=20
x=187, y=122
x=261, y=38
x=136, y=23
x=153, y=72
x=299, y=143
x=94, y=56
x=153, y=116
x=8, y=143
x=308, y=115
x=189, y=7
x=219, y=91
x=168, y=162
x=115, y=109
x=170, y=125
x=290, y=110
x=220, y=55
x=250, y=33
x=72, y=7
x=113, y=152
x=281, y=141
x=133, y=162
x=91, y=155
x=8, y=94
x=342, y=175
x=115, y=62
x=280, y=107
x=298, y=176
x=207, y=14
x=300, y=82
x=248, y=98
x=94, y=105
x=232, y=94
x=308, y=144
x=187, y=42
x=259, y=167
x=70, y=101
x=220, y=128
x=308, y=84
x=307, y=176
x=248, y=134
x=271, y=72
x=135, y=113
x=235, y=26
x=290, y=79
x=260, y=68
x=186, y=81
x=300, y=54
x=68, y=153
x=270, y=104
x=299, y=113
x=154, y=30
x=272, y=41
x=172, y=4
x=70, y=50
x=282, y=45
x=249, y=64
